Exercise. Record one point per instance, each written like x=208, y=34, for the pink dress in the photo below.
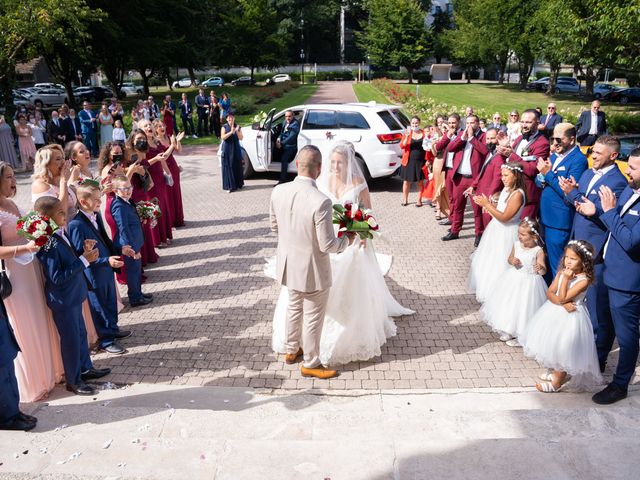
x=175, y=192
x=72, y=209
x=39, y=364
x=162, y=231
x=26, y=145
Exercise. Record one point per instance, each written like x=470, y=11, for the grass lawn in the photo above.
x=365, y=92
x=502, y=98
x=241, y=94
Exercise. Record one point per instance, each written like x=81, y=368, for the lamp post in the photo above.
x=79, y=72
x=369, y=68
x=302, y=50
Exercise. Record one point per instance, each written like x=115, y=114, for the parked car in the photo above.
x=184, y=83
x=93, y=94
x=601, y=90
x=213, y=82
x=130, y=89
x=279, y=78
x=563, y=85
x=49, y=85
x=627, y=144
x=45, y=97
x=243, y=81
x=539, y=85
x=374, y=129
x=624, y=95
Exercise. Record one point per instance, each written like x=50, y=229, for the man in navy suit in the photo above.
x=556, y=213
x=65, y=289
x=72, y=127
x=186, y=114
x=621, y=256
x=549, y=121
x=287, y=143
x=202, y=104
x=55, y=129
x=605, y=172
x=129, y=233
x=526, y=150
x=470, y=151
x=87, y=224
x=11, y=418
x=591, y=124
x=88, y=123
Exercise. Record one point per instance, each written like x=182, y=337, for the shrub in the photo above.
x=244, y=104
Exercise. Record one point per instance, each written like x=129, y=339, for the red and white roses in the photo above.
x=351, y=218
x=36, y=227
x=148, y=211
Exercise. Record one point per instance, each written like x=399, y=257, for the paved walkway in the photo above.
x=334, y=92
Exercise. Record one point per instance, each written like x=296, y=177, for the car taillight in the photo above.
x=387, y=138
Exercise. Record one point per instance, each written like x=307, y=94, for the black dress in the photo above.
x=412, y=172
x=232, y=175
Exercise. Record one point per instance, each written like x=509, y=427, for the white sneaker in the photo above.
x=505, y=337
x=194, y=136
x=513, y=343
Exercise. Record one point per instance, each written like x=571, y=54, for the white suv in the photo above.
x=374, y=129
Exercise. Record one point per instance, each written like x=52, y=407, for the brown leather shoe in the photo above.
x=290, y=358
x=318, y=372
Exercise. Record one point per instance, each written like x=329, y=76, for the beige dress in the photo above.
x=53, y=191
x=39, y=364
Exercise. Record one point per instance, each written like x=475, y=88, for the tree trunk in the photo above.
x=590, y=79
x=502, y=66
x=553, y=77
x=524, y=70
x=410, y=73
x=68, y=86
x=145, y=78
x=252, y=69
x=192, y=75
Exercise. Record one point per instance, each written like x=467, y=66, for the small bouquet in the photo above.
x=352, y=218
x=260, y=117
x=149, y=211
x=36, y=227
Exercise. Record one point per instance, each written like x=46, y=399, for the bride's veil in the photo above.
x=341, y=177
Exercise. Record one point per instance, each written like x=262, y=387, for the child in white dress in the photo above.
x=560, y=335
x=119, y=135
x=521, y=291
x=489, y=261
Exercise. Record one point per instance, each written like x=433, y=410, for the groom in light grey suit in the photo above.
x=302, y=217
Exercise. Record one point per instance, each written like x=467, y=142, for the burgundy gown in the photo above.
x=175, y=192
x=148, y=251
x=167, y=119
x=162, y=231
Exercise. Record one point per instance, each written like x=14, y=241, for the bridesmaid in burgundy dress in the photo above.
x=175, y=191
x=161, y=175
x=167, y=116
x=136, y=155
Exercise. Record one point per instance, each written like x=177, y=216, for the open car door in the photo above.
x=263, y=141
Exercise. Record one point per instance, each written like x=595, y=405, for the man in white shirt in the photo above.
x=591, y=125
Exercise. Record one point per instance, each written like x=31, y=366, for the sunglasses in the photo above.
x=551, y=108
x=556, y=140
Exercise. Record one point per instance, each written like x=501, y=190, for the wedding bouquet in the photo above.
x=148, y=211
x=36, y=227
x=352, y=218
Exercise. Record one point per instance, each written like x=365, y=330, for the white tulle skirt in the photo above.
x=489, y=261
x=513, y=301
x=563, y=341
x=357, y=322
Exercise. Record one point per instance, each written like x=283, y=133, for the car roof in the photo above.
x=349, y=106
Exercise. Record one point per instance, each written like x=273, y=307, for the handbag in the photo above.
x=5, y=284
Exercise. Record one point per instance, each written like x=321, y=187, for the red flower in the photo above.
x=340, y=234
x=348, y=214
x=348, y=206
x=358, y=215
x=40, y=241
x=32, y=228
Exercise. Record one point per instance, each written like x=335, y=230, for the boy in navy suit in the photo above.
x=621, y=275
x=66, y=288
x=87, y=224
x=11, y=418
x=129, y=233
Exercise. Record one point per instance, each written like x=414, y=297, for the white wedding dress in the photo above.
x=357, y=322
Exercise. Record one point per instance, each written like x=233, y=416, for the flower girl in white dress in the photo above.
x=489, y=261
x=358, y=318
x=560, y=335
x=521, y=291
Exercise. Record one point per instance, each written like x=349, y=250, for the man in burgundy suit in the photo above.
x=489, y=179
x=453, y=125
x=526, y=150
x=469, y=154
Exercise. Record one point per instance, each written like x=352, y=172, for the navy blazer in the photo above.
x=555, y=210
x=185, y=109
x=583, y=125
x=80, y=229
x=8, y=345
x=129, y=227
x=622, y=259
x=69, y=125
x=591, y=228
x=289, y=137
x=65, y=284
x=554, y=119
x=85, y=121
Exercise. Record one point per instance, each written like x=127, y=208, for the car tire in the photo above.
x=363, y=166
x=557, y=91
x=247, y=167
x=624, y=100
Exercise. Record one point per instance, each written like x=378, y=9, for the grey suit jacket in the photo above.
x=302, y=217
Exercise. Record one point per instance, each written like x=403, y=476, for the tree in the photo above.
x=442, y=22
x=253, y=36
x=395, y=34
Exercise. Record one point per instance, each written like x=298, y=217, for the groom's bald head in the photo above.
x=309, y=161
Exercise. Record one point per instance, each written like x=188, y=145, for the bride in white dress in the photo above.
x=358, y=318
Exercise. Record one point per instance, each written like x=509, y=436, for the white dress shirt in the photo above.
x=465, y=164
x=560, y=157
x=598, y=174
x=594, y=124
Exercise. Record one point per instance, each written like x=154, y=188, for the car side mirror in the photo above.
x=255, y=126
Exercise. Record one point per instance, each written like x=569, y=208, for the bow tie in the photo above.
x=92, y=217
x=597, y=172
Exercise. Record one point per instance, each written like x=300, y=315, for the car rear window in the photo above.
x=352, y=120
x=389, y=120
x=404, y=120
x=320, y=119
